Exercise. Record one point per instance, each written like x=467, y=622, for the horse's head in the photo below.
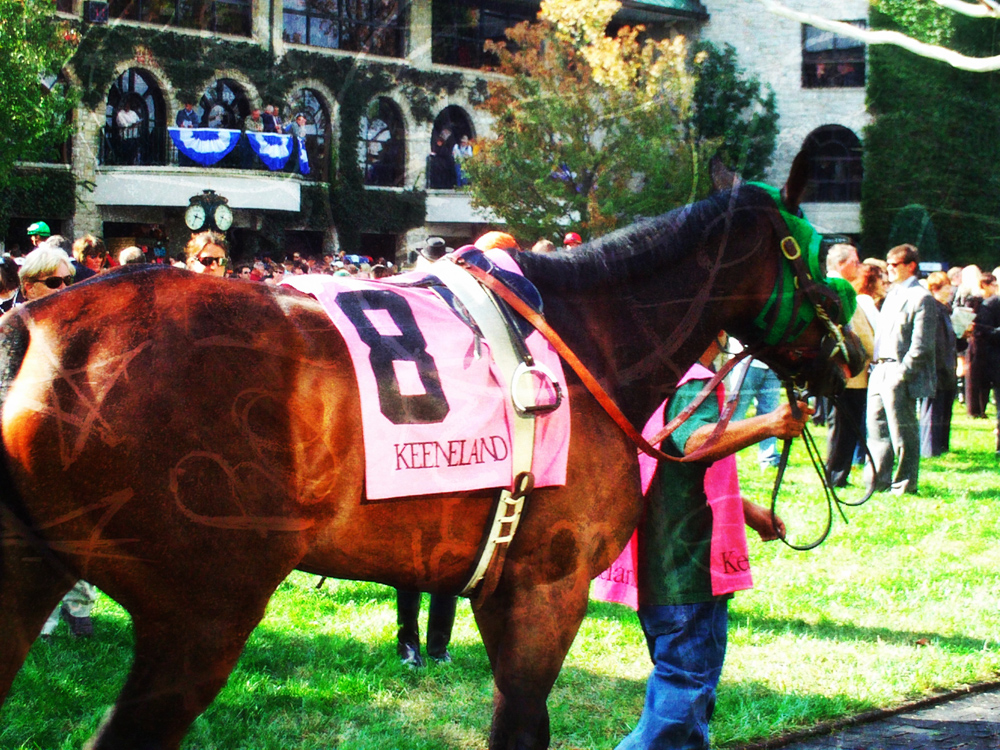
x=803, y=330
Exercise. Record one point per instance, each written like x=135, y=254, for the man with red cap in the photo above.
x=572, y=239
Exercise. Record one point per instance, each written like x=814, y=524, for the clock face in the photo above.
x=223, y=217
x=194, y=217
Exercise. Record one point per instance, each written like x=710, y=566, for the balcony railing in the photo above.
x=154, y=147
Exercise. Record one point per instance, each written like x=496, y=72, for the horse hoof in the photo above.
x=409, y=655
x=442, y=658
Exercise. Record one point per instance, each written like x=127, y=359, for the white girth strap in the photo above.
x=482, y=307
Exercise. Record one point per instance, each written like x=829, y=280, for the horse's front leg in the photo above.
x=527, y=634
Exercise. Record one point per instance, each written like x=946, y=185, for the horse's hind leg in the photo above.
x=29, y=590
x=183, y=657
x=527, y=635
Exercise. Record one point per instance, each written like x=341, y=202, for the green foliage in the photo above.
x=591, y=132
x=924, y=20
x=898, y=605
x=594, y=131
x=913, y=225
x=732, y=107
x=934, y=138
x=33, y=50
x=32, y=191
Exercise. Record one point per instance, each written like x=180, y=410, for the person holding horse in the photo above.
x=691, y=557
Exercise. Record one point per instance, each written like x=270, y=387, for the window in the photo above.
x=449, y=126
x=223, y=105
x=830, y=60
x=461, y=29
x=143, y=142
x=372, y=26
x=835, y=170
x=381, y=145
x=220, y=16
x=310, y=104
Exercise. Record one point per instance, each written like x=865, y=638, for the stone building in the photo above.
x=819, y=83
x=387, y=87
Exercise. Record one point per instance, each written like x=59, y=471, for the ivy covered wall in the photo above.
x=935, y=136
x=190, y=61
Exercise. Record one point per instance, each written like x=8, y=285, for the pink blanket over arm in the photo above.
x=730, y=561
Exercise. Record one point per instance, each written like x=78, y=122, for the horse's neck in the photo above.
x=637, y=349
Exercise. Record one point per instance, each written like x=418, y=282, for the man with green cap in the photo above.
x=38, y=233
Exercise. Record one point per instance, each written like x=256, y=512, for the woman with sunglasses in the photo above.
x=46, y=270
x=207, y=252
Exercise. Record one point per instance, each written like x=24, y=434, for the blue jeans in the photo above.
x=687, y=643
x=761, y=385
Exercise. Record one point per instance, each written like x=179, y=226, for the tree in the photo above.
x=591, y=131
x=731, y=106
x=33, y=49
x=933, y=139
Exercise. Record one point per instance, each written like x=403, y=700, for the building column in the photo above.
x=87, y=217
x=419, y=54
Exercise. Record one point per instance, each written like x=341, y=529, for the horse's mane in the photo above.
x=637, y=250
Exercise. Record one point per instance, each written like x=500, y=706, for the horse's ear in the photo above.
x=795, y=187
x=722, y=177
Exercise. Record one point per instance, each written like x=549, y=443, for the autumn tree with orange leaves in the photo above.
x=591, y=131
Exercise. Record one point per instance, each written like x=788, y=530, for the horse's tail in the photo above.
x=14, y=516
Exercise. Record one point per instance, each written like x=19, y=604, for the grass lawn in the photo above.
x=901, y=602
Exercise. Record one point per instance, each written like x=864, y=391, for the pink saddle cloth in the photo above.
x=435, y=409
x=730, y=561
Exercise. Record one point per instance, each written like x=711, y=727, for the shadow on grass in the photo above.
x=846, y=632
x=825, y=629
x=298, y=689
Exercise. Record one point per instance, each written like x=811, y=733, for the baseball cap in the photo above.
x=572, y=238
x=39, y=228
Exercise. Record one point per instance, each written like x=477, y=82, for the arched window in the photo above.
x=223, y=105
x=835, y=170
x=135, y=118
x=452, y=131
x=309, y=103
x=382, y=144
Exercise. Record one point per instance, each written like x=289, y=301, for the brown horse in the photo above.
x=185, y=442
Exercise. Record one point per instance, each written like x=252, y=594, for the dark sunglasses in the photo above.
x=94, y=253
x=210, y=259
x=54, y=282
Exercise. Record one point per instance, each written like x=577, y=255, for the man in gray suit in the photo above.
x=904, y=371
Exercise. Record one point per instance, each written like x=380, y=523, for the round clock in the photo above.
x=195, y=217
x=223, y=217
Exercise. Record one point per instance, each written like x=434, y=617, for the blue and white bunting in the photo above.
x=303, y=156
x=274, y=149
x=204, y=146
